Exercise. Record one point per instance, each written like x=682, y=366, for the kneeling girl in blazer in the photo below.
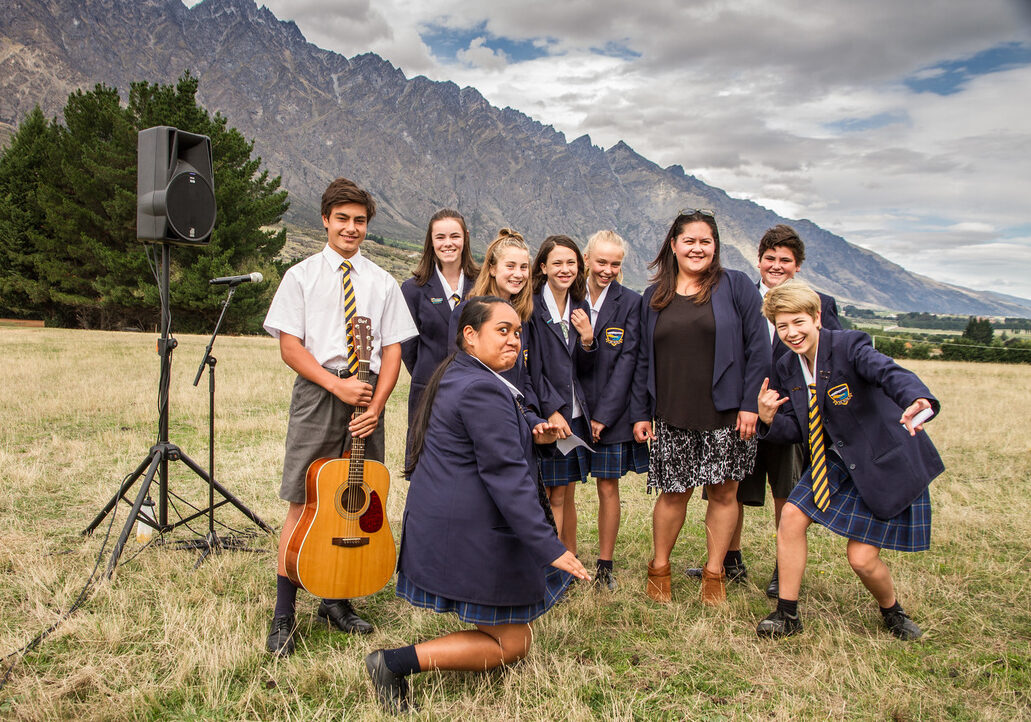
x=474, y=539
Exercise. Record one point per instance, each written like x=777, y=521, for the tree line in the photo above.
x=68, y=248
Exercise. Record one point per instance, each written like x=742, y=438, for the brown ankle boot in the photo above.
x=714, y=587
x=659, y=583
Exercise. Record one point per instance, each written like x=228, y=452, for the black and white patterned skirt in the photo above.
x=681, y=459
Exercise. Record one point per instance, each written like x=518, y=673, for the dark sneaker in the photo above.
x=899, y=624
x=779, y=624
x=737, y=573
x=773, y=588
x=280, y=640
x=341, y=615
x=603, y=579
x=391, y=689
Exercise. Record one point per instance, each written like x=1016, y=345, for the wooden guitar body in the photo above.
x=341, y=546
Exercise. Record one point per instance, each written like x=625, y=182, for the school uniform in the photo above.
x=431, y=306
x=309, y=304
x=878, y=474
x=781, y=464
x=474, y=538
x=616, y=319
x=557, y=362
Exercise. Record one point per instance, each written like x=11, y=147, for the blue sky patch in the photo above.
x=854, y=125
x=612, y=49
x=445, y=43
x=948, y=77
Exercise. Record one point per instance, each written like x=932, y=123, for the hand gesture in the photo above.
x=582, y=323
x=352, y=391
x=544, y=433
x=560, y=425
x=912, y=410
x=569, y=563
x=596, y=428
x=746, y=423
x=769, y=402
x=643, y=432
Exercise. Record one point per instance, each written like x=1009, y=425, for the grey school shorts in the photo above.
x=317, y=429
x=781, y=464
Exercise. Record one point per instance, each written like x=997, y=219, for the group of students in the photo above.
x=731, y=384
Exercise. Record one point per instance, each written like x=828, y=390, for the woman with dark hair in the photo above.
x=442, y=279
x=474, y=539
x=704, y=353
x=561, y=353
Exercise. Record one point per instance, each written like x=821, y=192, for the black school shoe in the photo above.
x=773, y=588
x=280, y=640
x=391, y=689
x=737, y=573
x=603, y=579
x=899, y=624
x=341, y=614
x=778, y=624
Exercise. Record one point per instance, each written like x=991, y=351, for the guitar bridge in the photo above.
x=350, y=541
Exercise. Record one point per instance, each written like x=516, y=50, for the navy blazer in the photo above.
x=607, y=383
x=741, y=355
x=828, y=320
x=557, y=365
x=474, y=529
x=861, y=393
x=423, y=353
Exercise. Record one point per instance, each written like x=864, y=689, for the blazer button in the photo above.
x=841, y=443
x=852, y=467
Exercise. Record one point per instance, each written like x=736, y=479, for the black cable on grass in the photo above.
x=79, y=601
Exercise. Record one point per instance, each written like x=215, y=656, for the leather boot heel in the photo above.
x=659, y=583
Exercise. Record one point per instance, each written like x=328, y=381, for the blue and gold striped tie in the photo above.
x=350, y=307
x=817, y=454
x=455, y=300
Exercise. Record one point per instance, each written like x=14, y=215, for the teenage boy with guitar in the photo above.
x=310, y=315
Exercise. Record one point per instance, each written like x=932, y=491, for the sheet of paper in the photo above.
x=571, y=442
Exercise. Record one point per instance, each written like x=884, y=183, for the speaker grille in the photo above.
x=190, y=206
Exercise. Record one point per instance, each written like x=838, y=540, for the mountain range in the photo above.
x=416, y=144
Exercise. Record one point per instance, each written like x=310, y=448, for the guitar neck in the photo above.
x=358, y=445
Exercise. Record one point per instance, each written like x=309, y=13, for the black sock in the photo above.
x=286, y=595
x=605, y=564
x=402, y=661
x=787, y=606
x=733, y=559
x=896, y=607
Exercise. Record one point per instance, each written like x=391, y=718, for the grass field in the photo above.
x=164, y=641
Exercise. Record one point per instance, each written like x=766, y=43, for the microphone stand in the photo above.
x=211, y=543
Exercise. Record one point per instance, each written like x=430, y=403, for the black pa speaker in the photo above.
x=175, y=193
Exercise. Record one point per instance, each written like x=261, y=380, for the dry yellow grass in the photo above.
x=162, y=640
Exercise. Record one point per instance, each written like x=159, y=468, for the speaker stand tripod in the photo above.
x=155, y=465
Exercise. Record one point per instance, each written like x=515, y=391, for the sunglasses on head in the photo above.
x=692, y=211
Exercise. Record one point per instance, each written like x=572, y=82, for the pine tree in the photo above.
x=68, y=208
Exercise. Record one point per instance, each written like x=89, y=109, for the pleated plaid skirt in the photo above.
x=559, y=470
x=613, y=461
x=556, y=582
x=849, y=516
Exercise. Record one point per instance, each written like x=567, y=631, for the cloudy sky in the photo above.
x=903, y=126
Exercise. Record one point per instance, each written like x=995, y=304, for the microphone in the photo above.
x=236, y=280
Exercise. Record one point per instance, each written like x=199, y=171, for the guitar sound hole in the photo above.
x=354, y=499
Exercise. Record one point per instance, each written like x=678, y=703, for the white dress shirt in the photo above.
x=309, y=304
x=596, y=307
x=448, y=291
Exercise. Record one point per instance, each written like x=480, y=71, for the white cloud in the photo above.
x=799, y=106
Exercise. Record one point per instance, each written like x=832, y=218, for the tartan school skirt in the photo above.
x=613, y=461
x=849, y=516
x=555, y=584
x=559, y=470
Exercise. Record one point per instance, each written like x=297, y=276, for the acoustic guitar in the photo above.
x=342, y=546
